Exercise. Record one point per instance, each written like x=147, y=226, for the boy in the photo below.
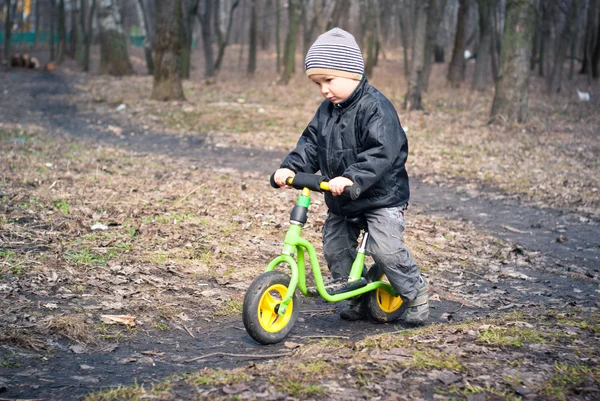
x=355, y=138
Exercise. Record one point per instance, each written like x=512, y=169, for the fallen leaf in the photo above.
x=118, y=319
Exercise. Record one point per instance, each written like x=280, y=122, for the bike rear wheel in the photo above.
x=380, y=305
x=261, y=305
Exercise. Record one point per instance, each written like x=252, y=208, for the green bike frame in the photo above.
x=294, y=244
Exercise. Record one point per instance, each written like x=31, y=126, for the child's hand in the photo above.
x=281, y=175
x=337, y=185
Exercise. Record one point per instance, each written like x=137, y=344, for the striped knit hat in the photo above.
x=335, y=53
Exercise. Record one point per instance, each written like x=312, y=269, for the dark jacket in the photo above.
x=361, y=139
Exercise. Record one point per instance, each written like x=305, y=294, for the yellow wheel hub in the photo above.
x=267, y=315
x=386, y=302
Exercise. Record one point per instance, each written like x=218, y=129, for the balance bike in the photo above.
x=269, y=311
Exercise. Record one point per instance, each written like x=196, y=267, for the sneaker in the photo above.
x=354, y=311
x=417, y=310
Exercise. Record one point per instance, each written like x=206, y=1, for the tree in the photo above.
x=114, y=59
x=167, y=49
x=485, y=8
x=253, y=35
x=289, y=51
x=190, y=10
x=511, y=97
x=412, y=100
x=62, y=33
x=86, y=30
x=456, y=71
x=146, y=33
x=436, y=12
x=7, y=32
x=569, y=19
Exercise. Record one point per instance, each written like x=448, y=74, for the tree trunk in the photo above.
x=189, y=17
x=511, y=97
x=37, y=23
x=560, y=50
x=76, y=34
x=277, y=34
x=436, y=12
x=114, y=59
x=456, y=71
x=222, y=37
x=412, y=100
x=485, y=43
x=546, y=28
x=267, y=28
x=371, y=34
x=336, y=14
x=7, y=32
x=62, y=33
x=289, y=51
x=143, y=20
x=87, y=29
x=253, y=35
x=406, y=41
x=595, y=59
x=204, y=16
x=52, y=22
x=167, y=48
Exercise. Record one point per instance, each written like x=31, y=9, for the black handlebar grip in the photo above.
x=272, y=181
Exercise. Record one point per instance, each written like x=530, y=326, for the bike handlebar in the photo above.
x=315, y=183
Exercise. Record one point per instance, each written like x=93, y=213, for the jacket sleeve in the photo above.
x=304, y=158
x=383, y=142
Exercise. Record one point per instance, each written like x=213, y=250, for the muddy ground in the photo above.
x=550, y=261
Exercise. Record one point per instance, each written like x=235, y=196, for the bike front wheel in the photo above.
x=261, y=305
x=381, y=306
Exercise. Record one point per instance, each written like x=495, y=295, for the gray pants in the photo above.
x=385, y=245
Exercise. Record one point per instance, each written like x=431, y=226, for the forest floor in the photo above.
x=130, y=230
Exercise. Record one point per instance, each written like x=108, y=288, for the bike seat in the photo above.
x=360, y=221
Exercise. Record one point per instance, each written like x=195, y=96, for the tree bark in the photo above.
x=62, y=33
x=37, y=23
x=289, y=51
x=189, y=17
x=485, y=44
x=512, y=94
x=278, y=34
x=7, y=32
x=406, y=40
x=86, y=29
x=167, y=48
x=145, y=28
x=204, y=16
x=253, y=36
x=456, y=71
x=560, y=51
x=412, y=100
x=372, y=37
x=114, y=59
x=52, y=22
x=436, y=12
x=76, y=34
x=223, y=36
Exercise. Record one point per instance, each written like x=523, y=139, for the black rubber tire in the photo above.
x=374, y=300
x=276, y=283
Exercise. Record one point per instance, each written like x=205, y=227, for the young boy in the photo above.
x=355, y=138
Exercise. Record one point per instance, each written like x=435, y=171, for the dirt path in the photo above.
x=569, y=243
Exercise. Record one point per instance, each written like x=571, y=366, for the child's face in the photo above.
x=335, y=89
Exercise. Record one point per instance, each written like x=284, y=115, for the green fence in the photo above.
x=28, y=38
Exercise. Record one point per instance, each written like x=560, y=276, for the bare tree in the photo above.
x=412, y=100
x=485, y=8
x=142, y=13
x=167, y=48
x=86, y=18
x=568, y=16
x=512, y=95
x=278, y=34
x=253, y=35
x=289, y=51
x=436, y=12
x=190, y=11
x=456, y=71
x=114, y=59
x=62, y=33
